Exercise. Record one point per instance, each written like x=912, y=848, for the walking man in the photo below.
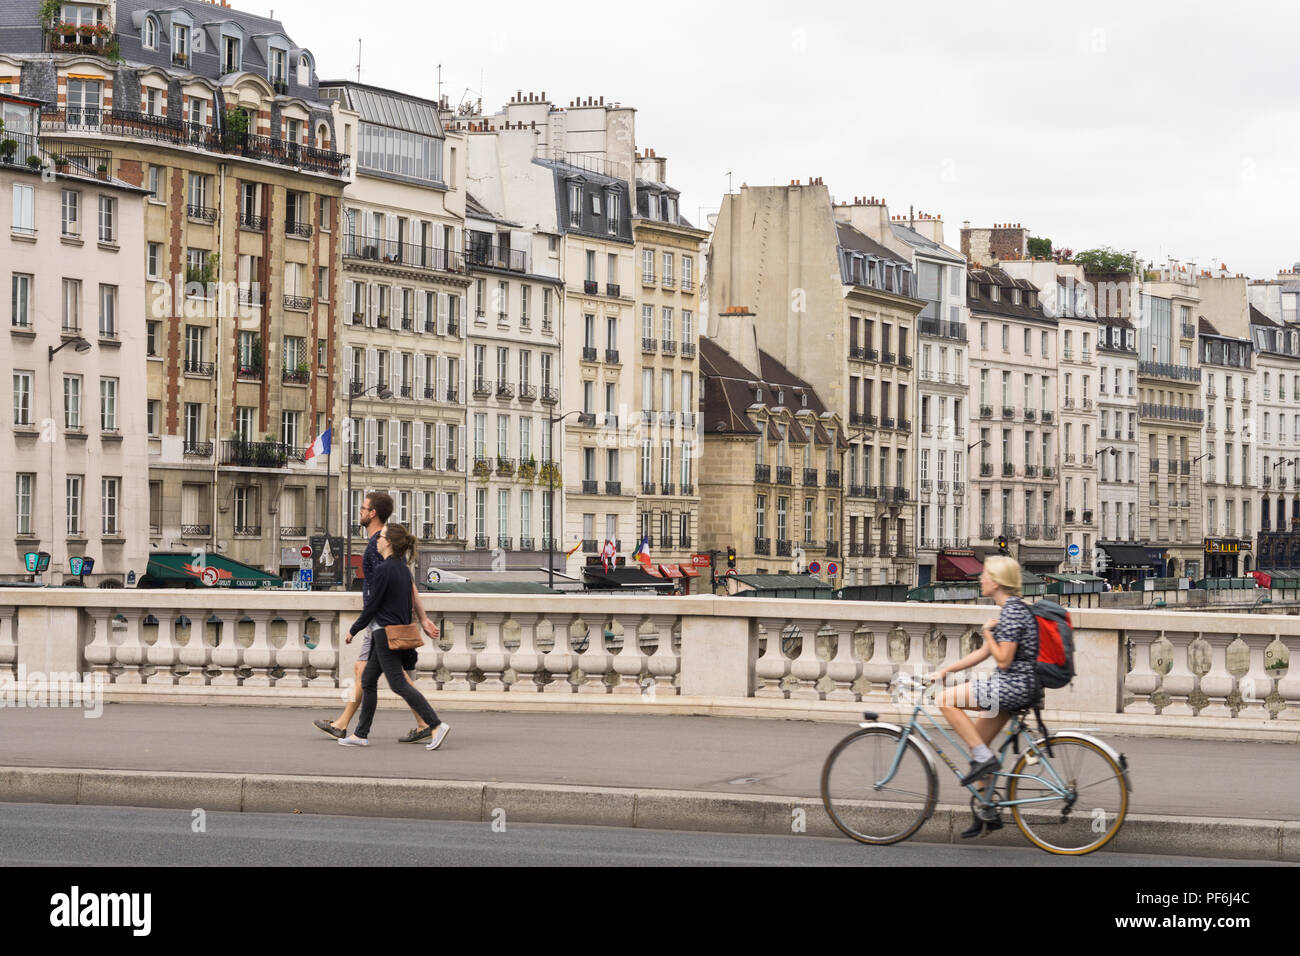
x=376, y=509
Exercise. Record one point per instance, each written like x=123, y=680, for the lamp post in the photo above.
x=81, y=346
x=384, y=394
x=550, y=490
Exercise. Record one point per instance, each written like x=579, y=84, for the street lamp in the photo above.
x=550, y=489
x=384, y=393
x=80, y=344
x=1208, y=454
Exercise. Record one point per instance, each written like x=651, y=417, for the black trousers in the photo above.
x=390, y=662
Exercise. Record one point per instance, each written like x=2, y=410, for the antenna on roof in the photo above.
x=358, y=59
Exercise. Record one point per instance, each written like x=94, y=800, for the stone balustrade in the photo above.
x=777, y=656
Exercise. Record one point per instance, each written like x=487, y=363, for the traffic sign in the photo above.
x=814, y=567
x=700, y=560
x=433, y=576
x=832, y=568
x=304, y=576
x=1072, y=550
x=74, y=565
x=306, y=551
x=209, y=576
x=130, y=579
x=731, y=572
x=87, y=565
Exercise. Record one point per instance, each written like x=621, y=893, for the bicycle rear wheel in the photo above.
x=1088, y=816
x=865, y=800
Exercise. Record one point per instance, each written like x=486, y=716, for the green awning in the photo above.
x=766, y=582
x=1071, y=577
x=179, y=569
x=487, y=587
x=1074, y=583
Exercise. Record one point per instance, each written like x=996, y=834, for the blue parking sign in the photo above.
x=304, y=576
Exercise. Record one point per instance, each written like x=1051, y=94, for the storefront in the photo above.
x=1226, y=557
x=1039, y=560
x=1279, y=549
x=957, y=565
x=1128, y=564
x=181, y=569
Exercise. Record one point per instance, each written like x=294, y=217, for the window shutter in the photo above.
x=417, y=445
x=347, y=364
x=372, y=368
x=419, y=310
x=418, y=359
x=442, y=385
x=462, y=434
x=372, y=307
x=349, y=300
x=372, y=442
x=440, y=515
x=460, y=518
x=394, y=443
x=442, y=445
x=443, y=307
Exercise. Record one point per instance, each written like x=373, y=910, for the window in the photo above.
x=575, y=205
x=21, y=301
x=760, y=517
x=107, y=210
x=668, y=268
x=72, y=401
x=688, y=272
x=22, y=398
x=71, y=212
x=612, y=212
x=648, y=266
x=23, y=222
x=152, y=416
x=72, y=502
x=108, y=505
x=150, y=34
x=108, y=404
x=108, y=311
x=71, y=305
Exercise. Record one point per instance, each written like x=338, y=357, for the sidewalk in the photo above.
x=1227, y=782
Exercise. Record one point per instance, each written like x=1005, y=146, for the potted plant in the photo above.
x=7, y=149
x=482, y=470
x=102, y=170
x=549, y=474
x=61, y=163
x=34, y=162
x=528, y=469
x=234, y=128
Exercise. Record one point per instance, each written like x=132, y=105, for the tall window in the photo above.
x=108, y=311
x=72, y=401
x=108, y=404
x=70, y=207
x=22, y=398
x=107, y=216
x=24, y=486
x=21, y=301
x=71, y=305
x=72, y=500
x=109, y=495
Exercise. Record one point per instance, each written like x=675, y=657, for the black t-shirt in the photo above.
x=369, y=561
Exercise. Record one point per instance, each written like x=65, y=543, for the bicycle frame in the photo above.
x=1013, y=732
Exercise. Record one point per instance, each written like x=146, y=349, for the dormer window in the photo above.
x=277, y=66
x=180, y=43
x=780, y=397
x=575, y=205
x=803, y=399
x=1015, y=296
x=230, y=60
x=994, y=292
x=595, y=204
x=149, y=36
x=304, y=70
x=611, y=212
x=670, y=214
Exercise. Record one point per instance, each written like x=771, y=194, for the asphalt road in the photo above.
x=739, y=755
x=45, y=835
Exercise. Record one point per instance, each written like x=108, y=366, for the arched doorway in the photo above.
x=1245, y=565
x=1171, y=568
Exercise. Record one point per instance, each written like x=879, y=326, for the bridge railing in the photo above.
x=785, y=655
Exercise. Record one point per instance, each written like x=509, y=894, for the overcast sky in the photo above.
x=1170, y=129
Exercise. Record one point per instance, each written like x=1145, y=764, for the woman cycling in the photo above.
x=1011, y=639
x=389, y=602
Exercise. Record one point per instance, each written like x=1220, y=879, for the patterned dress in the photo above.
x=1016, y=687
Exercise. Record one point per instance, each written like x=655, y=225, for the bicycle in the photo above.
x=880, y=783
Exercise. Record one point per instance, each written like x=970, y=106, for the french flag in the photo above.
x=321, y=446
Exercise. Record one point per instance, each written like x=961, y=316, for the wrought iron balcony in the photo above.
x=249, y=221
x=763, y=473
x=782, y=548
x=810, y=476
x=1008, y=411
x=612, y=290
x=986, y=531
x=196, y=530
x=668, y=346
x=550, y=395
x=505, y=390
x=649, y=344
x=495, y=256
x=292, y=376
x=258, y=454
x=201, y=212
x=762, y=545
x=1008, y=470
x=482, y=388
x=986, y=411
x=198, y=449
x=611, y=357
x=198, y=368
x=832, y=479
x=480, y=542
x=986, y=470
x=589, y=353
x=590, y=486
x=784, y=475
x=527, y=393
x=302, y=230
x=857, y=491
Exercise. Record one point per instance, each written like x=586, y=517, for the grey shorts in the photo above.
x=368, y=643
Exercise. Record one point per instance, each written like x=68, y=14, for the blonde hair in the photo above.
x=1004, y=571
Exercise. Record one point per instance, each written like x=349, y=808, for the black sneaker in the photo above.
x=980, y=769
x=415, y=735
x=981, y=826
x=330, y=729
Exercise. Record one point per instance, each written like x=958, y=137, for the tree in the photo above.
x=1105, y=259
x=1040, y=248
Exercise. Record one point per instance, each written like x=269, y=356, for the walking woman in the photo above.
x=388, y=603
x=1011, y=639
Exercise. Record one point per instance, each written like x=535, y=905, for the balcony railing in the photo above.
x=480, y=542
x=527, y=393
x=857, y=491
x=810, y=476
x=942, y=329
x=302, y=230
x=258, y=454
x=986, y=531
x=688, y=349
x=1008, y=470
x=505, y=390
x=294, y=377
x=986, y=411
x=248, y=220
x=482, y=388
x=589, y=353
x=784, y=475
x=590, y=486
x=297, y=303
x=611, y=357
x=1173, y=413
x=986, y=470
x=1048, y=417
x=832, y=479
x=198, y=449
x=1164, y=370
x=649, y=344
x=668, y=346
x=613, y=487
x=1008, y=411
x=198, y=368
x=550, y=395
x=494, y=256
x=591, y=287
x=763, y=473
x=203, y=213
x=782, y=548
x=762, y=545
x=612, y=290
x=407, y=255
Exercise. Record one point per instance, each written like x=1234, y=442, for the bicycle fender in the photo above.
x=1119, y=758
x=926, y=752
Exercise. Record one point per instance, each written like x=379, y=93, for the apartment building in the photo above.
x=402, y=337
x=1117, y=450
x=759, y=417
x=667, y=258
x=812, y=266
x=1276, y=349
x=1232, y=482
x=1013, y=423
x=216, y=114
x=75, y=459
x=514, y=373
x=1170, y=419
x=942, y=383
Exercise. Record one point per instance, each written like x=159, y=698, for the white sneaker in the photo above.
x=439, y=735
x=354, y=741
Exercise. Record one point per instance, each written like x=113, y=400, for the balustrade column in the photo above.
x=292, y=657
x=1289, y=686
x=595, y=660
x=460, y=659
x=193, y=656
x=807, y=668
x=560, y=659
x=260, y=653
x=773, y=666
x=1255, y=684
x=666, y=661
x=163, y=656
x=493, y=659
x=99, y=650
x=323, y=659
x=1180, y=681
x=630, y=661
x=1218, y=682
x=130, y=653
x=877, y=669
x=227, y=655
x=842, y=668
x=9, y=641
x=526, y=661
x=1142, y=681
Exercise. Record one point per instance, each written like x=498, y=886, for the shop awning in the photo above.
x=600, y=579
x=487, y=587
x=670, y=570
x=689, y=570
x=1074, y=583
x=1127, y=557
x=168, y=569
x=957, y=567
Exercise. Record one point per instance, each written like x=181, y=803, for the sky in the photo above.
x=1172, y=129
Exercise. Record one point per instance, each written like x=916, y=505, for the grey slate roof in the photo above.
x=390, y=108
x=923, y=245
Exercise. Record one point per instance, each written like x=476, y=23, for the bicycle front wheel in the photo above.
x=1081, y=792
x=865, y=799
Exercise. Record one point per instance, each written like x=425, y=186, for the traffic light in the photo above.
x=731, y=557
x=1001, y=542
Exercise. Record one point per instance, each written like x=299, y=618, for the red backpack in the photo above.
x=1055, y=664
